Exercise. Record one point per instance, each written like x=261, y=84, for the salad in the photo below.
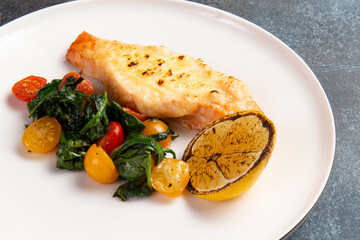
x=109, y=142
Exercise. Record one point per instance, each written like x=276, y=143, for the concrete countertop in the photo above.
x=326, y=34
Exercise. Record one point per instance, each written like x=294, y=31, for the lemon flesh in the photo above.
x=228, y=156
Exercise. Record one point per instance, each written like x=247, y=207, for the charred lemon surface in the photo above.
x=227, y=157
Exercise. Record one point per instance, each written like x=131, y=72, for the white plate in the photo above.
x=39, y=201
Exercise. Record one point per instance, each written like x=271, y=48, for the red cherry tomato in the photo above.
x=139, y=116
x=114, y=137
x=84, y=86
x=27, y=88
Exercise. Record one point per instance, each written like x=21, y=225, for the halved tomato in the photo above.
x=84, y=86
x=27, y=88
x=42, y=135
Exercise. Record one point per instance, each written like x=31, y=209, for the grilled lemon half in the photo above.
x=228, y=156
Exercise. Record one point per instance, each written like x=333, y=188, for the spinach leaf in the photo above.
x=41, y=96
x=71, y=82
x=133, y=163
x=133, y=159
x=138, y=141
x=72, y=150
x=50, y=87
x=130, y=189
x=128, y=121
x=97, y=125
x=65, y=105
x=163, y=135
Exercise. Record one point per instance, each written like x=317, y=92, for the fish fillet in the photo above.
x=158, y=82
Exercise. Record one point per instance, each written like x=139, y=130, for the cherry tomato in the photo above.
x=99, y=166
x=170, y=177
x=157, y=126
x=114, y=137
x=42, y=135
x=139, y=116
x=84, y=86
x=27, y=88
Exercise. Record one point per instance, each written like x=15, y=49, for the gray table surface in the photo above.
x=326, y=34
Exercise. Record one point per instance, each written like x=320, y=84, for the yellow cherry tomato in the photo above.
x=157, y=126
x=99, y=166
x=42, y=135
x=170, y=177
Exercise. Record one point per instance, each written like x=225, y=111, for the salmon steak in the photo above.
x=158, y=82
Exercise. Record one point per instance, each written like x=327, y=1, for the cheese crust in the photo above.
x=160, y=83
